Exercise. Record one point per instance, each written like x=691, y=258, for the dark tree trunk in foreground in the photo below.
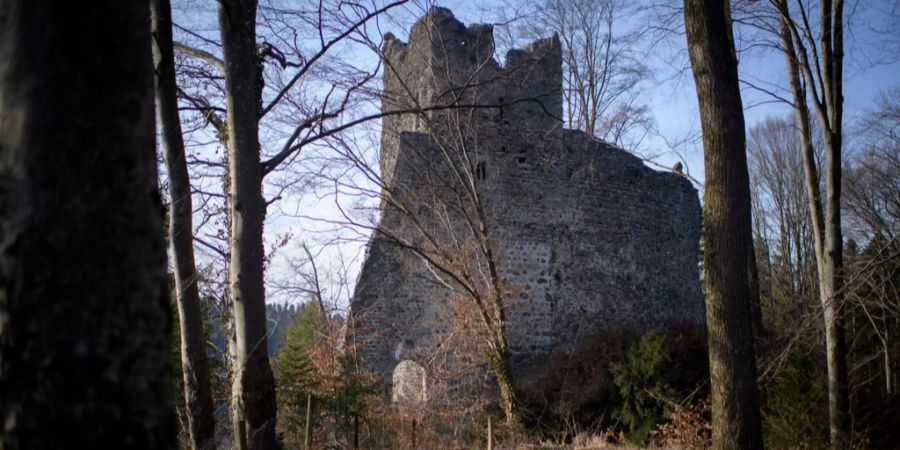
x=197, y=390
x=253, y=390
x=84, y=320
x=727, y=228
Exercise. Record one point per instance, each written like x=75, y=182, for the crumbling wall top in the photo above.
x=453, y=45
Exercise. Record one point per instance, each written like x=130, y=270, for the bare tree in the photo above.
x=269, y=79
x=461, y=252
x=727, y=226
x=253, y=395
x=781, y=218
x=872, y=209
x=432, y=185
x=456, y=240
x=872, y=184
x=84, y=320
x=816, y=76
x=872, y=213
x=195, y=368
x=602, y=70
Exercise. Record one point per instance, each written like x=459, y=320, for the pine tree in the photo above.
x=296, y=376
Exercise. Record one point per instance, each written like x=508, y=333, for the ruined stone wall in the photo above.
x=446, y=63
x=591, y=237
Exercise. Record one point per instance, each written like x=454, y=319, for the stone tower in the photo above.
x=591, y=238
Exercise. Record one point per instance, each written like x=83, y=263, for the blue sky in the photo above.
x=872, y=66
x=670, y=96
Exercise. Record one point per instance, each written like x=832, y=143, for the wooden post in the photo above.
x=307, y=437
x=490, y=436
x=356, y=431
x=241, y=440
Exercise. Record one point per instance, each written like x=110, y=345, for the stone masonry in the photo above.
x=591, y=237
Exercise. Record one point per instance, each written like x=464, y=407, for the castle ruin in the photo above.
x=586, y=235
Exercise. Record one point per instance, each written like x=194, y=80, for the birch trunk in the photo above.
x=253, y=388
x=826, y=218
x=195, y=368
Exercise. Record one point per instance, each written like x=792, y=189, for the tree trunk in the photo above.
x=253, y=389
x=308, y=428
x=197, y=390
x=508, y=401
x=826, y=219
x=726, y=222
x=756, y=324
x=831, y=296
x=84, y=322
x=832, y=41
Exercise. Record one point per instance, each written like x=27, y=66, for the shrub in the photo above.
x=315, y=361
x=575, y=391
x=614, y=379
x=642, y=379
x=657, y=376
x=687, y=428
x=797, y=409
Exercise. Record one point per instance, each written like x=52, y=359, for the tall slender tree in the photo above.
x=195, y=368
x=253, y=386
x=84, y=323
x=820, y=72
x=253, y=393
x=727, y=226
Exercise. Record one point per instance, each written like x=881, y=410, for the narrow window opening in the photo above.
x=480, y=171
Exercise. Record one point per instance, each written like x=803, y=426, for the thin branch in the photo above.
x=322, y=51
x=201, y=54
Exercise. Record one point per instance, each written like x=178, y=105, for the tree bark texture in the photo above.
x=195, y=368
x=253, y=389
x=509, y=402
x=831, y=293
x=727, y=227
x=826, y=219
x=85, y=356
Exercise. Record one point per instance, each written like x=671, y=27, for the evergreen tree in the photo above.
x=296, y=376
x=642, y=379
